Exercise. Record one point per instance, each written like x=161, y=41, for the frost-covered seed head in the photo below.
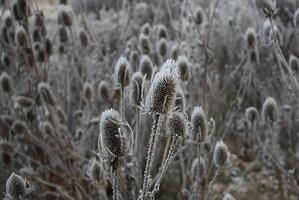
x=46, y=93
x=177, y=124
x=63, y=34
x=269, y=110
x=15, y=186
x=6, y=83
x=250, y=38
x=294, y=63
x=199, y=16
x=122, y=72
x=162, y=93
x=64, y=16
x=84, y=41
x=104, y=91
x=163, y=47
x=23, y=101
x=174, y=52
x=137, y=81
x=184, y=68
x=162, y=32
x=180, y=101
x=201, y=166
x=145, y=29
x=199, y=123
x=252, y=115
x=23, y=8
x=221, y=154
x=88, y=91
x=146, y=67
x=144, y=44
x=39, y=19
x=21, y=37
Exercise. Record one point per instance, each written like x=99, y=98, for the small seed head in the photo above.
x=269, y=110
x=15, y=186
x=146, y=67
x=177, y=124
x=122, y=72
x=6, y=83
x=221, y=154
x=199, y=123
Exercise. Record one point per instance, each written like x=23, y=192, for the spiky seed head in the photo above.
x=145, y=29
x=88, y=91
x=269, y=110
x=180, y=101
x=36, y=35
x=177, y=124
x=122, y=72
x=23, y=101
x=199, y=123
x=63, y=34
x=294, y=63
x=162, y=32
x=6, y=83
x=252, y=115
x=15, y=12
x=39, y=19
x=174, y=52
x=64, y=16
x=48, y=47
x=146, y=67
x=144, y=44
x=137, y=81
x=221, y=154
x=250, y=36
x=184, y=68
x=46, y=93
x=84, y=41
x=201, y=166
x=21, y=37
x=268, y=7
x=163, y=47
x=296, y=19
x=228, y=196
x=23, y=8
x=94, y=170
x=104, y=91
x=199, y=16
x=15, y=186
x=110, y=142
x=161, y=96
x=8, y=21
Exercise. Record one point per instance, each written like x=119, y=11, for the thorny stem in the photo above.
x=213, y=182
x=115, y=184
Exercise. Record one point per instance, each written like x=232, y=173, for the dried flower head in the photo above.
x=144, y=44
x=46, y=93
x=174, y=52
x=199, y=123
x=23, y=8
x=21, y=37
x=8, y=21
x=63, y=34
x=177, y=124
x=63, y=2
x=39, y=19
x=294, y=63
x=48, y=47
x=268, y=7
x=137, y=81
x=180, y=100
x=200, y=166
x=145, y=29
x=146, y=67
x=251, y=115
x=64, y=16
x=122, y=72
x=184, y=68
x=134, y=59
x=104, y=91
x=15, y=187
x=162, y=93
x=84, y=41
x=5, y=60
x=162, y=47
x=199, y=16
x=6, y=83
x=221, y=154
x=162, y=32
x=269, y=110
x=251, y=38
x=88, y=91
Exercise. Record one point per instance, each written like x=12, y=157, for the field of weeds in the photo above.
x=149, y=99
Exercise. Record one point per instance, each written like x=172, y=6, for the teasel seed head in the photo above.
x=184, y=68
x=268, y=7
x=200, y=166
x=252, y=116
x=199, y=16
x=8, y=22
x=162, y=32
x=19, y=127
x=16, y=12
x=269, y=111
x=6, y=83
x=104, y=91
x=23, y=101
x=46, y=93
x=294, y=63
x=145, y=29
x=296, y=19
x=21, y=37
x=88, y=91
x=46, y=129
x=5, y=60
x=199, y=123
x=144, y=44
x=137, y=81
x=64, y=16
x=221, y=154
x=110, y=141
x=180, y=101
x=251, y=40
x=48, y=47
x=23, y=8
x=163, y=47
x=39, y=19
x=84, y=41
x=122, y=72
x=15, y=187
x=134, y=59
x=161, y=96
x=174, y=52
x=177, y=124
x=146, y=67
x=63, y=34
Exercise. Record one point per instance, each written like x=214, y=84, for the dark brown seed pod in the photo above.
x=180, y=100
x=221, y=154
x=199, y=16
x=251, y=39
x=8, y=21
x=162, y=93
x=134, y=59
x=64, y=17
x=268, y=7
x=269, y=111
x=252, y=115
x=29, y=57
x=144, y=44
x=6, y=83
x=88, y=92
x=46, y=94
x=18, y=127
x=163, y=47
x=174, y=52
x=21, y=37
x=184, y=68
x=84, y=41
x=137, y=81
x=146, y=67
x=15, y=186
x=63, y=34
x=15, y=12
x=23, y=8
x=145, y=29
x=199, y=124
x=177, y=124
x=39, y=19
x=162, y=32
x=23, y=101
x=254, y=56
x=122, y=72
x=104, y=91
x=48, y=47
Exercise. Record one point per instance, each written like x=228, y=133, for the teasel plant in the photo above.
x=159, y=102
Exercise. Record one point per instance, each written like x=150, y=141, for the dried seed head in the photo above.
x=174, y=52
x=177, y=124
x=137, y=81
x=94, y=170
x=6, y=83
x=8, y=21
x=251, y=115
x=22, y=101
x=200, y=166
x=199, y=123
x=269, y=110
x=162, y=93
x=134, y=59
x=163, y=47
x=15, y=12
x=18, y=127
x=268, y=7
x=221, y=154
x=250, y=38
x=21, y=37
x=184, y=68
x=48, y=47
x=122, y=72
x=144, y=44
x=145, y=29
x=46, y=93
x=88, y=92
x=64, y=16
x=110, y=140
x=39, y=19
x=199, y=16
x=180, y=101
x=15, y=186
x=296, y=19
x=63, y=34
x=294, y=63
x=104, y=91
x=162, y=32
x=36, y=35
x=84, y=41
x=146, y=67
x=23, y=8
